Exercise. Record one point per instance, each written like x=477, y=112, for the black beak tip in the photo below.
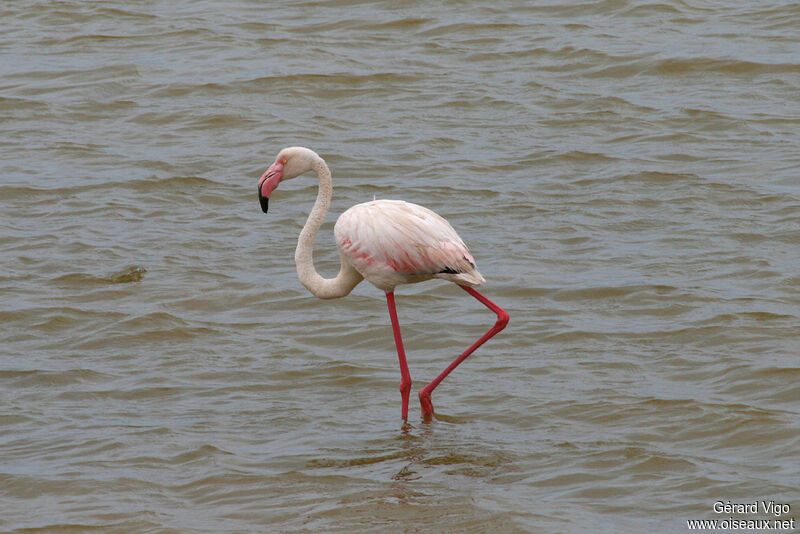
x=264, y=202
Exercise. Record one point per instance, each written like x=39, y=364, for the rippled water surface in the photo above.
x=625, y=172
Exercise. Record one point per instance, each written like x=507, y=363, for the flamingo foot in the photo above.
x=426, y=404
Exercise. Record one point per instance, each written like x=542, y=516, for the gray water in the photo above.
x=625, y=173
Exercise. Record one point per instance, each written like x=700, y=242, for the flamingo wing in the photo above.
x=392, y=242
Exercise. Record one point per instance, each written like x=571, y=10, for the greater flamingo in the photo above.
x=388, y=242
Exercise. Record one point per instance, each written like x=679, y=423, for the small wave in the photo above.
x=41, y=377
x=133, y=273
x=724, y=66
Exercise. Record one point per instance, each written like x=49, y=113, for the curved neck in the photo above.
x=348, y=277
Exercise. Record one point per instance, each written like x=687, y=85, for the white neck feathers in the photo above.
x=348, y=277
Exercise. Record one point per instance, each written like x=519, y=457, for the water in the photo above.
x=625, y=173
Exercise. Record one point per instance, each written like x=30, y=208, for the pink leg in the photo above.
x=502, y=321
x=405, y=376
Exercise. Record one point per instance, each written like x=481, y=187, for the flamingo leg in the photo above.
x=405, y=376
x=502, y=321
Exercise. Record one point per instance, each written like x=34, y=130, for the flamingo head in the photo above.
x=290, y=163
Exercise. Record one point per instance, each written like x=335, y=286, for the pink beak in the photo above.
x=268, y=182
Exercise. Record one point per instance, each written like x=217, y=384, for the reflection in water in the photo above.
x=414, y=450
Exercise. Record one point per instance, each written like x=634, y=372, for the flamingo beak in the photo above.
x=264, y=201
x=267, y=184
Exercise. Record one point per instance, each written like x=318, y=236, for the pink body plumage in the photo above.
x=392, y=242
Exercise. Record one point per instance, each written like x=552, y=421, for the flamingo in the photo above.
x=386, y=242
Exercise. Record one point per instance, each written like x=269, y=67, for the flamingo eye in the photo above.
x=284, y=161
